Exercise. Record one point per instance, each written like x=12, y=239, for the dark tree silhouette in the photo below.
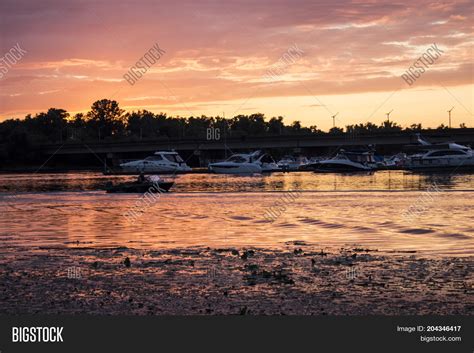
x=106, y=116
x=336, y=131
x=105, y=120
x=52, y=124
x=276, y=126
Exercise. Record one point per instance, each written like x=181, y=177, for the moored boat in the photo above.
x=245, y=163
x=345, y=162
x=161, y=162
x=442, y=157
x=240, y=163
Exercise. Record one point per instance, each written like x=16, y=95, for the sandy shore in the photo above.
x=298, y=280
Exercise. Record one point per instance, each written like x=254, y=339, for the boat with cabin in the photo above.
x=161, y=162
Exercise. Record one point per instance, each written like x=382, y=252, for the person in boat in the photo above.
x=141, y=178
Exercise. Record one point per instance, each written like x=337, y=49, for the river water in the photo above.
x=388, y=211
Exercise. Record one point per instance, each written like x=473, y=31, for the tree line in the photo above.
x=106, y=121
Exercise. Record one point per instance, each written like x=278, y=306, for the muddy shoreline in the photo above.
x=300, y=279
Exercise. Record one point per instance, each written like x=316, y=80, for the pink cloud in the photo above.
x=222, y=50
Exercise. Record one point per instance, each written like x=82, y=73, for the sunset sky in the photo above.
x=218, y=54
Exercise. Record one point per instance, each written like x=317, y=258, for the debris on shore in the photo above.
x=254, y=281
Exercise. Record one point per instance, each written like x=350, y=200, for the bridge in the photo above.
x=205, y=150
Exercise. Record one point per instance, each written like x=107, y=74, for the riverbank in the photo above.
x=300, y=279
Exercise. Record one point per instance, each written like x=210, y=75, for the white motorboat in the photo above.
x=345, y=162
x=240, y=163
x=160, y=162
x=291, y=163
x=447, y=156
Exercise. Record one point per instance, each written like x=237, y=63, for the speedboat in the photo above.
x=290, y=163
x=240, y=163
x=345, y=162
x=447, y=156
x=160, y=162
x=246, y=163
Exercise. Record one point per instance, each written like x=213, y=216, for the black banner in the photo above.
x=243, y=333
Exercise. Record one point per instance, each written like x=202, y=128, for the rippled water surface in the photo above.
x=382, y=180
x=216, y=210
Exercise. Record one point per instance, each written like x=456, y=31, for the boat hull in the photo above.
x=154, y=169
x=433, y=165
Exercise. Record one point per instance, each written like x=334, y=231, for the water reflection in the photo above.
x=328, y=219
x=382, y=180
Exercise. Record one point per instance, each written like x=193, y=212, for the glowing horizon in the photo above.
x=218, y=58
